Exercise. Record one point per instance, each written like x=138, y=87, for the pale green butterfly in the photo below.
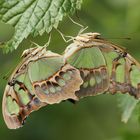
x=104, y=66
x=42, y=78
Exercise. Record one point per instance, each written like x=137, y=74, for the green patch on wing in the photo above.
x=24, y=78
x=23, y=95
x=61, y=82
x=44, y=68
x=92, y=81
x=109, y=57
x=85, y=84
x=135, y=76
x=120, y=71
x=12, y=106
x=67, y=76
x=87, y=58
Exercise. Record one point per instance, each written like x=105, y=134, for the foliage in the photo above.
x=127, y=104
x=34, y=16
x=94, y=117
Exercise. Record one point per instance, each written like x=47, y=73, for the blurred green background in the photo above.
x=92, y=118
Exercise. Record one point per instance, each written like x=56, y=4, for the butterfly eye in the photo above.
x=124, y=54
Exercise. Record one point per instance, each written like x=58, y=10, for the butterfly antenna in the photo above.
x=127, y=38
x=76, y=23
x=80, y=25
x=71, y=37
x=64, y=36
x=33, y=43
x=46, y=44
x=82, y=30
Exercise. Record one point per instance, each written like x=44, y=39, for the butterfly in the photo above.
x=89, y=66
x=42, y=78
x=104, y=67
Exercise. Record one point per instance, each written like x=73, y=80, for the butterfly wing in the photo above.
x=104, y=67
x=19, y=102
x=91, y=63
x=39, y=80
x=124, y=70
x=54, y=80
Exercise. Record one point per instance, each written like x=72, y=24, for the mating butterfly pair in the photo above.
x=89, y=66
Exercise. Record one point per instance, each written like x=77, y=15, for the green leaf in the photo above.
x=34, y=16
x=127, y=105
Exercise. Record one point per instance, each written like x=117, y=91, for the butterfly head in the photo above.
x=86, y=37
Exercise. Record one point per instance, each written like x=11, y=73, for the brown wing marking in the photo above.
x=59, y=87
x=96, y=81
x=13, y=120
x=127, y=86
x=115, y=86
